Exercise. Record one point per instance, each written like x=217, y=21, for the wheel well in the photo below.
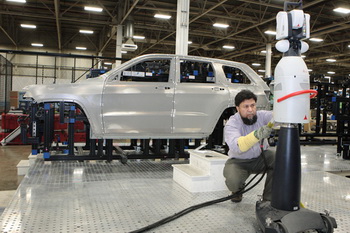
x=217, y=136
x=228, y=112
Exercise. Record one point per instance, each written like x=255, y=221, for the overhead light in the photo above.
x=256, y=64
x=228, y=47
x=331, y=60
x=139, y=37
x=303, y=56
x=264, y=51
x=108, y=63
x=269, y=32
x=80, y=48
x=20, y=1
x=161, y=16
x=310, y=70
x=124, y=51
x=91, y=8
x=263, y=71
x=28, y=26
x=86, y=31
x=189, y=42
x=316, y=39
x=342, y=10
x=330, y=72
x=349, y=46
x=37, y=45
x=221, y=25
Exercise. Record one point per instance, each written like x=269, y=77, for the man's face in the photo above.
x=247, y=110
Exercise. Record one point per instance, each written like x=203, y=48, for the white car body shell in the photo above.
x=160, y=110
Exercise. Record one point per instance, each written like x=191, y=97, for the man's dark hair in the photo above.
x=244, y=95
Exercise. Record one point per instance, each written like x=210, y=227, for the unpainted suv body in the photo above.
x=159, y=96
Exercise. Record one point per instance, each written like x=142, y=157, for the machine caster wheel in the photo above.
x=123, y=159
x=328, y=224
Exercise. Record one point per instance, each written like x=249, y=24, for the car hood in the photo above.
x=63, y=92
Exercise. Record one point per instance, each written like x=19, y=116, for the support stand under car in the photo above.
x=291, y=106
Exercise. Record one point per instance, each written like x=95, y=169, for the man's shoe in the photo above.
x=237, y=197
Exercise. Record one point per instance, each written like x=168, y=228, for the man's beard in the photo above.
x=248, y=121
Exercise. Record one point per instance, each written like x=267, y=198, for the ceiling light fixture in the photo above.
x=28, y=26
x=331, y=60
x=161, y=16
x=256, y=64
x=310, y=70
x=263, y=71
x=342, y=10
x=19, y=1
x=139, y=37
x=108, y=63
x=228, y=47
x=221, y=25
x=80, y=48
x=189, y=42
x=269, y=32
x=316, y=39
x=263, y=51
x=37, y=45
x=86, y=31
x=91, y=8
x=330, y=72
x=124, y=51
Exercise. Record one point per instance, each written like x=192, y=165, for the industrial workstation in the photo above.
x=175, y=116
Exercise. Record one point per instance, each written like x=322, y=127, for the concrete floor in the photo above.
x=10, y=156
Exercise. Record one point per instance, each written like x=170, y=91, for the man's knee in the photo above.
x=234, y=176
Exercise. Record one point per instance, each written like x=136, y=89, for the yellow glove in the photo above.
x=246, y=142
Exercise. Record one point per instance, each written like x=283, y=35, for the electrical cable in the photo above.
x=204, y=204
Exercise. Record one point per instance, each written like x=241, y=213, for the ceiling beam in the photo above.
x=255, y=26
x=120, y=23
x=38, y=16
x=58, y=23
x=4, y=31
x=190, y=21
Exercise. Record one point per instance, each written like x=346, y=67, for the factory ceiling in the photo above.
x=58, y=23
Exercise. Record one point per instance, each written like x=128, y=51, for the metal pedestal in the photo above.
x=283, y=214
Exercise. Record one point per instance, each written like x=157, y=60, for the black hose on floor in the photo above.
x=208, y=203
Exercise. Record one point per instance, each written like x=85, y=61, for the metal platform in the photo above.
x=97, y=196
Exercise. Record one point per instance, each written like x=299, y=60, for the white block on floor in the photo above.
x=32, y=159
x=203, y=174
x=22, y=167
x=190, y=177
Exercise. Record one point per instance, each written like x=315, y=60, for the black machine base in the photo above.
x=272, y=220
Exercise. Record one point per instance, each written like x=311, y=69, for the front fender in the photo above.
x=84, y=94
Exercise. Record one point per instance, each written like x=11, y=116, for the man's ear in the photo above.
x=237, y=109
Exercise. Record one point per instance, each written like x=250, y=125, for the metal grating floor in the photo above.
x=97, y=196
